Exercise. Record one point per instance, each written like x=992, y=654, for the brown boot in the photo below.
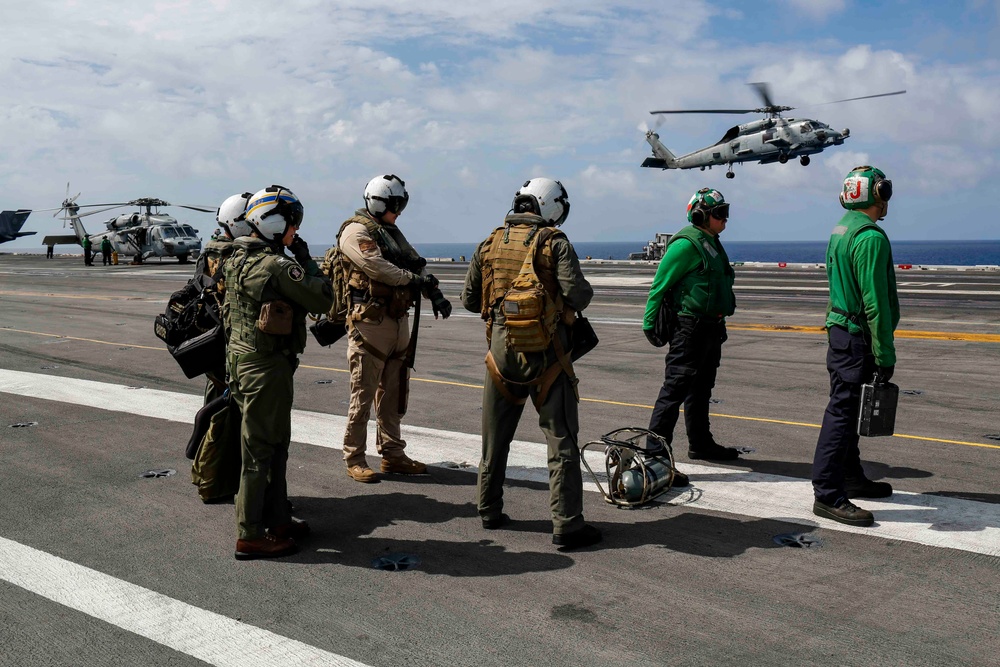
x=362, y=473
x=403, y=465
x=268, y=546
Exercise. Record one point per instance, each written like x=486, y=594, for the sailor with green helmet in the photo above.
x=694, y=283
x=862, y=315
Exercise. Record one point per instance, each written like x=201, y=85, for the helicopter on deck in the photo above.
x=771, y=139
x=141, y=234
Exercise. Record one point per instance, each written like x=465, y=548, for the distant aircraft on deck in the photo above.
x=11, y=223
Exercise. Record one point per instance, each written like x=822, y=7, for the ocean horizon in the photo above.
x=950, y=253
x=945, y=253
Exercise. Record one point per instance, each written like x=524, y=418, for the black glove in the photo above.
x=440, y=304
x=431, y=281
x=653, y=338
x=883, y=374
x=300, y=251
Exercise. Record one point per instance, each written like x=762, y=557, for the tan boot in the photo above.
x=403, y=465
x=362, y=473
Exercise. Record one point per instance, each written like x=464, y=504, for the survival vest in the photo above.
x=346, y=278
x=519, y=279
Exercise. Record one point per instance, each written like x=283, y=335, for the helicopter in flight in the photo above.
x=771, y=139
x=141, y=234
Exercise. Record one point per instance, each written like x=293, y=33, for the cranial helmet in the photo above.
x=544, y=197
x=704, y=202
x=386, y=193
x=232, y=215
x=271, y=210
x=864, y=187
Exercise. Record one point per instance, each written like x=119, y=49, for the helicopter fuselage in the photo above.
x=764, y=141
x=149, y=235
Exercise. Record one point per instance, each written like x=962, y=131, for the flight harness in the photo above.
x=531, y=304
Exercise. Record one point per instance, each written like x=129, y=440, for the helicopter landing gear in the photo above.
x=730, y=174
x=782, y=158
x=183, y=259
x=804, y=160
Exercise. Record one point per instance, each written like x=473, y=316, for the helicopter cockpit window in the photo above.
x=189, y=230
x=806, y=127
x=730, y=135
x=168, y=232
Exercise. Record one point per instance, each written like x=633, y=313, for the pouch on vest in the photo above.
x=275, y=318
x=327, y=332
x=333, y=268
x=529, y=311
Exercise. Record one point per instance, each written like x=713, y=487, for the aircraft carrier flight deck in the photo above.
x=100, y=565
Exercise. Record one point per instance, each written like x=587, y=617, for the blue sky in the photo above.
x=193, y=101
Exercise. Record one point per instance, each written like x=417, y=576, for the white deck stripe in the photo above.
x=924, y=519
x=202, y=634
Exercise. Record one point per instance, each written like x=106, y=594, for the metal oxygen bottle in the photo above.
x=645, y=478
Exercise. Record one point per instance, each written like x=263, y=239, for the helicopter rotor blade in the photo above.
x=110, y=208
x=863, y=97
x=764, y=90
x=203, y=209
x=704, y=111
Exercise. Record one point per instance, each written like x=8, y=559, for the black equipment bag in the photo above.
x=877, y=416
x=327, y=332
x=201, y=353
x=663, y=325
x=583, y=337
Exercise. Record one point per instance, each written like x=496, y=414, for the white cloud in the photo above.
x=325, y=95
x=817, y=9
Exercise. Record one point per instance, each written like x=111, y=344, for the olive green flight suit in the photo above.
x=260, y=372
x=558, y=417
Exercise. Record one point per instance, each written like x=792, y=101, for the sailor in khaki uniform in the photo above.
x=385, y=278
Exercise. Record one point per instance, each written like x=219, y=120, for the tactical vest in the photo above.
x=707, y=292
x=503, y=255
x=247, y=273
x=845, y=290
x=396, y=249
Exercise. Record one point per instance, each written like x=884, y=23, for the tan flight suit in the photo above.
x=559, y=269
x=378, y=333
x=260, y=372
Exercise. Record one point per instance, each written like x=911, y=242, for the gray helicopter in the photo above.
x=141, y=234
x=771, y=139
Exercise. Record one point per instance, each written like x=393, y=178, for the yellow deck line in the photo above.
x=900, y=333
x=764, y=420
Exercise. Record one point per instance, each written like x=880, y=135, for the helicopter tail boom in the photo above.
x=663, y=158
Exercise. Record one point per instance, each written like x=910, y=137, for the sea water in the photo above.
x=950, y=253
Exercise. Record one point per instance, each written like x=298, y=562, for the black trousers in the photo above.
x=691, y=366
x=837, y=460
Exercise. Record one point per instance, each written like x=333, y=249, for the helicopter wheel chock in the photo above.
x=804, y=160
x=782, y=158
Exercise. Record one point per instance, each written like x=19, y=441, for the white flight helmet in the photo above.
x=271, y=210
x=544, y=197
x=232, y=217
x=386, y=193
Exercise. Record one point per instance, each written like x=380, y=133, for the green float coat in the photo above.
x=863, y=283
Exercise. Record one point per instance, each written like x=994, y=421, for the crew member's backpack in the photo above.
x=531, y=313
x=333, y=327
